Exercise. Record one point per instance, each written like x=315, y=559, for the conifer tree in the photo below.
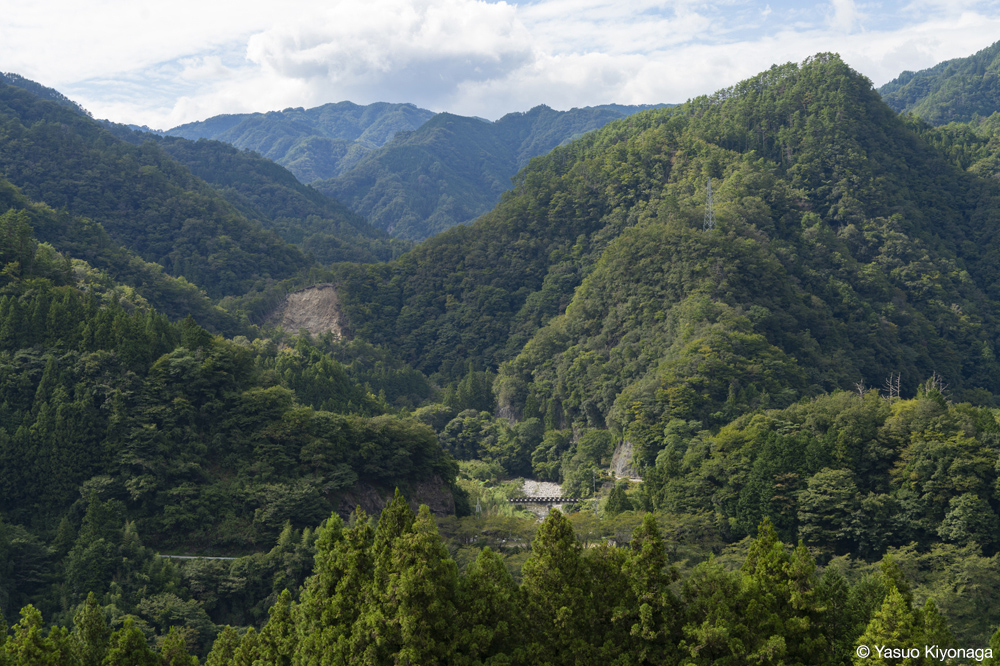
x=411, y=615
x=490, y=622
x=224, y=648
x=653, y=610
x=91, y=633
x=894, y=626
x=556, y=599
x=247, y=653
x=277, y=641
x=334, y=596
x=28, y=644
x=174, y=652
x=128, y=647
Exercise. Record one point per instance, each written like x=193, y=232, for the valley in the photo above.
x=783, y=430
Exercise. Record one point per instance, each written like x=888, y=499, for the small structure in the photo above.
x=547, y=501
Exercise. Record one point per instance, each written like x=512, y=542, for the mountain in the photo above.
x=316, y=143
x=271, y=196
x=453, y=168
x=952, y=91
x=847, y=249
x=143, y=198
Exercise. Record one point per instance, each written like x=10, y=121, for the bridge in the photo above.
x=544, y=500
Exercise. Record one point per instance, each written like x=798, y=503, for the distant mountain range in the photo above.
x=314, y=144
x=453, y=169
x=405, y=169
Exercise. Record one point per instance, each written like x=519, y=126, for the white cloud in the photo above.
x=845, y=15
x=162, y=65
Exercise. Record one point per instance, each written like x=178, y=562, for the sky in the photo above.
x=162, y=64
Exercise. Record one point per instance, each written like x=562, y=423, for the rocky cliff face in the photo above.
x=315, y=308
x=434, y=492
x=621, y=461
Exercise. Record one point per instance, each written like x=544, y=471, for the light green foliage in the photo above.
x=128, y=648
x=894, y=626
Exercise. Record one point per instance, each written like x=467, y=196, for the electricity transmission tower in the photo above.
x=709, y=209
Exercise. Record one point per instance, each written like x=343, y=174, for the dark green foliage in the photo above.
x=143, y=198
x=834, y=262
x=453, y=169
x=271, y=196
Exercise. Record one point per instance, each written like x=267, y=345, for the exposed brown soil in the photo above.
x=315, y=308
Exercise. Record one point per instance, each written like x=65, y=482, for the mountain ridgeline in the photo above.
x=846, y=250
x=453, y=168
x=818, y=365
x=952, y=91
x=316, y=143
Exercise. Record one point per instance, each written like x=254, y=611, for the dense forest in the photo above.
x=778, y=410
x=958, y=90
x=452, y=169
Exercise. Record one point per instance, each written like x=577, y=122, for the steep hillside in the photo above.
x=144, y=198
x=846, y=249
x=316, y=143
x=453, y=168
x=271, y=196
x=952, y=91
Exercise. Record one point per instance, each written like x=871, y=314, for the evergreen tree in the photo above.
x=174, y=652
x=651, y=611
x=335, y=596
x=128, y=647
x=894, y=626
x=28, y=645
x=224, y=649
x=557, y=600
x=91, y=633
x=490, y=625
x=277, y=640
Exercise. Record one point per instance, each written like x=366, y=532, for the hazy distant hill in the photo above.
x=951, y=91
x=454, y=168
x=316, y=143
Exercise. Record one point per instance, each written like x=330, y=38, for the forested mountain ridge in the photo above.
x=316, y=143
x=271, y=196
x=952, y=91
x=592, y=308
x=454, y=168
x=142, y=197
x=846, y=249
